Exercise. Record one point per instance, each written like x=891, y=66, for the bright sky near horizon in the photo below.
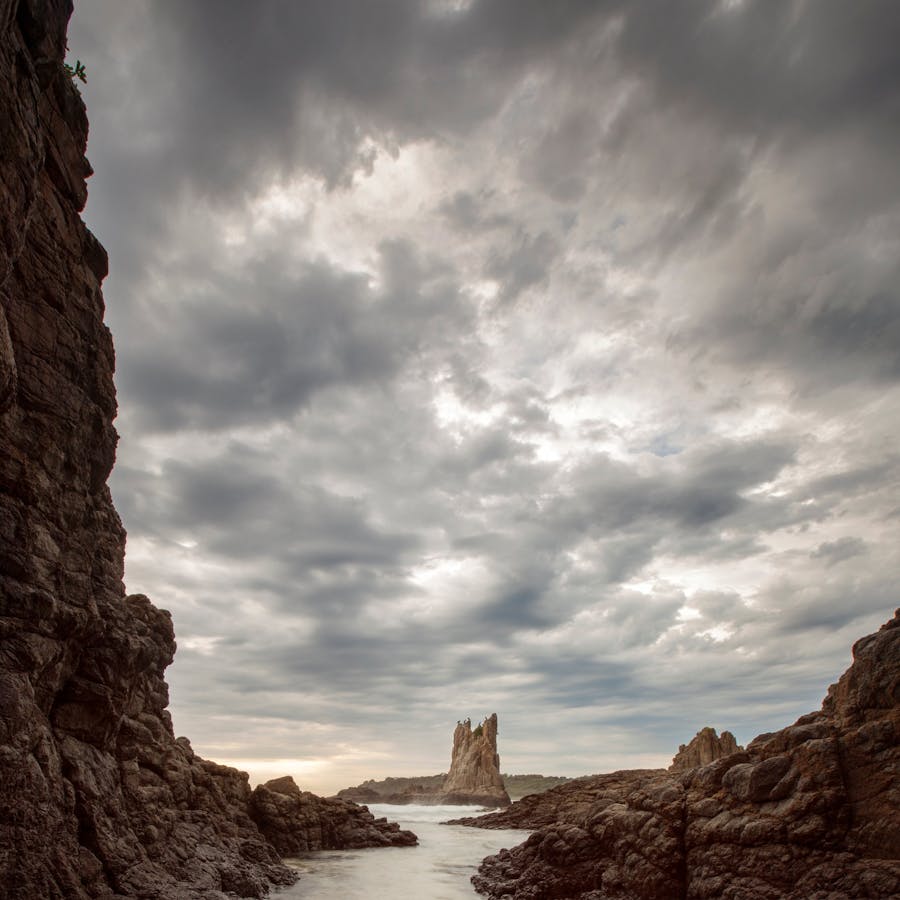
x=538, y=358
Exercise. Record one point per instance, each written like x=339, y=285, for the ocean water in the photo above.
x=438, y=869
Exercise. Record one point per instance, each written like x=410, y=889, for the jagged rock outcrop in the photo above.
x=474, y=775
x=296, y=821
x=97, y=797
x=811, y=812
x=705, y=747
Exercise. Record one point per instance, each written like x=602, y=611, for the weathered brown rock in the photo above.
x=296, y=821
x=811, y=812
x=474, y=775
x=705, y=747
x=97, y=797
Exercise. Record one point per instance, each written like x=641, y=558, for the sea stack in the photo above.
x=474, y=775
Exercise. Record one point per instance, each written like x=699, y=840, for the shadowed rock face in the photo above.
x=296, y=821
x=97, y=797
x=474, y=775
x=705, y=747
x=811, y=811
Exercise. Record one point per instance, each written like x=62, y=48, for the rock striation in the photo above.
x=98, y=799
x=474, y=775
x=705, y=747
x=811, y=812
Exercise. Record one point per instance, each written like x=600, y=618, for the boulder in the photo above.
x=296, y=821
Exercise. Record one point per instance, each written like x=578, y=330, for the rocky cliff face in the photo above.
x=811, y=811
x=705, y=747
x=97, y=797
x=474, y=775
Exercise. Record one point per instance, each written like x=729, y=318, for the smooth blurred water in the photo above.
x=438, y=869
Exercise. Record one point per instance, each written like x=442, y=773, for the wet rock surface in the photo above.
x=97, y=797
x=811, y=812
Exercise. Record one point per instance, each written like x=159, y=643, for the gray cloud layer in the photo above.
x=539, y=358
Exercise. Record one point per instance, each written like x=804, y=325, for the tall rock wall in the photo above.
x=97, y=797
x=474, y=775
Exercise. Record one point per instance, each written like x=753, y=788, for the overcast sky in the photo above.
x=531, y=357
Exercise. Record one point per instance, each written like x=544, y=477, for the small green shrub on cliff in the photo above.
x=77, y=71
x=478, y=731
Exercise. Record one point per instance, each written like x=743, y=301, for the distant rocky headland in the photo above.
x=474, y=777
x=97, y=797
x=401, y=790
x=811, y=812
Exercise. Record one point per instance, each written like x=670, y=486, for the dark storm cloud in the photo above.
x=801, y=67
x=710, y=487
x=831, y=329
x=256, y=345
x=834, y=552
x=233, y=508
x=233, y=90
x=653, y=483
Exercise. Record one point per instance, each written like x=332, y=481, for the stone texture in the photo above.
x=97, y=797
x=296, y=821
x=811, y=812
x=474, y=775
x=705, y=747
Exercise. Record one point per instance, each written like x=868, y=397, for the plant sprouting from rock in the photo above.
x=77, y=71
